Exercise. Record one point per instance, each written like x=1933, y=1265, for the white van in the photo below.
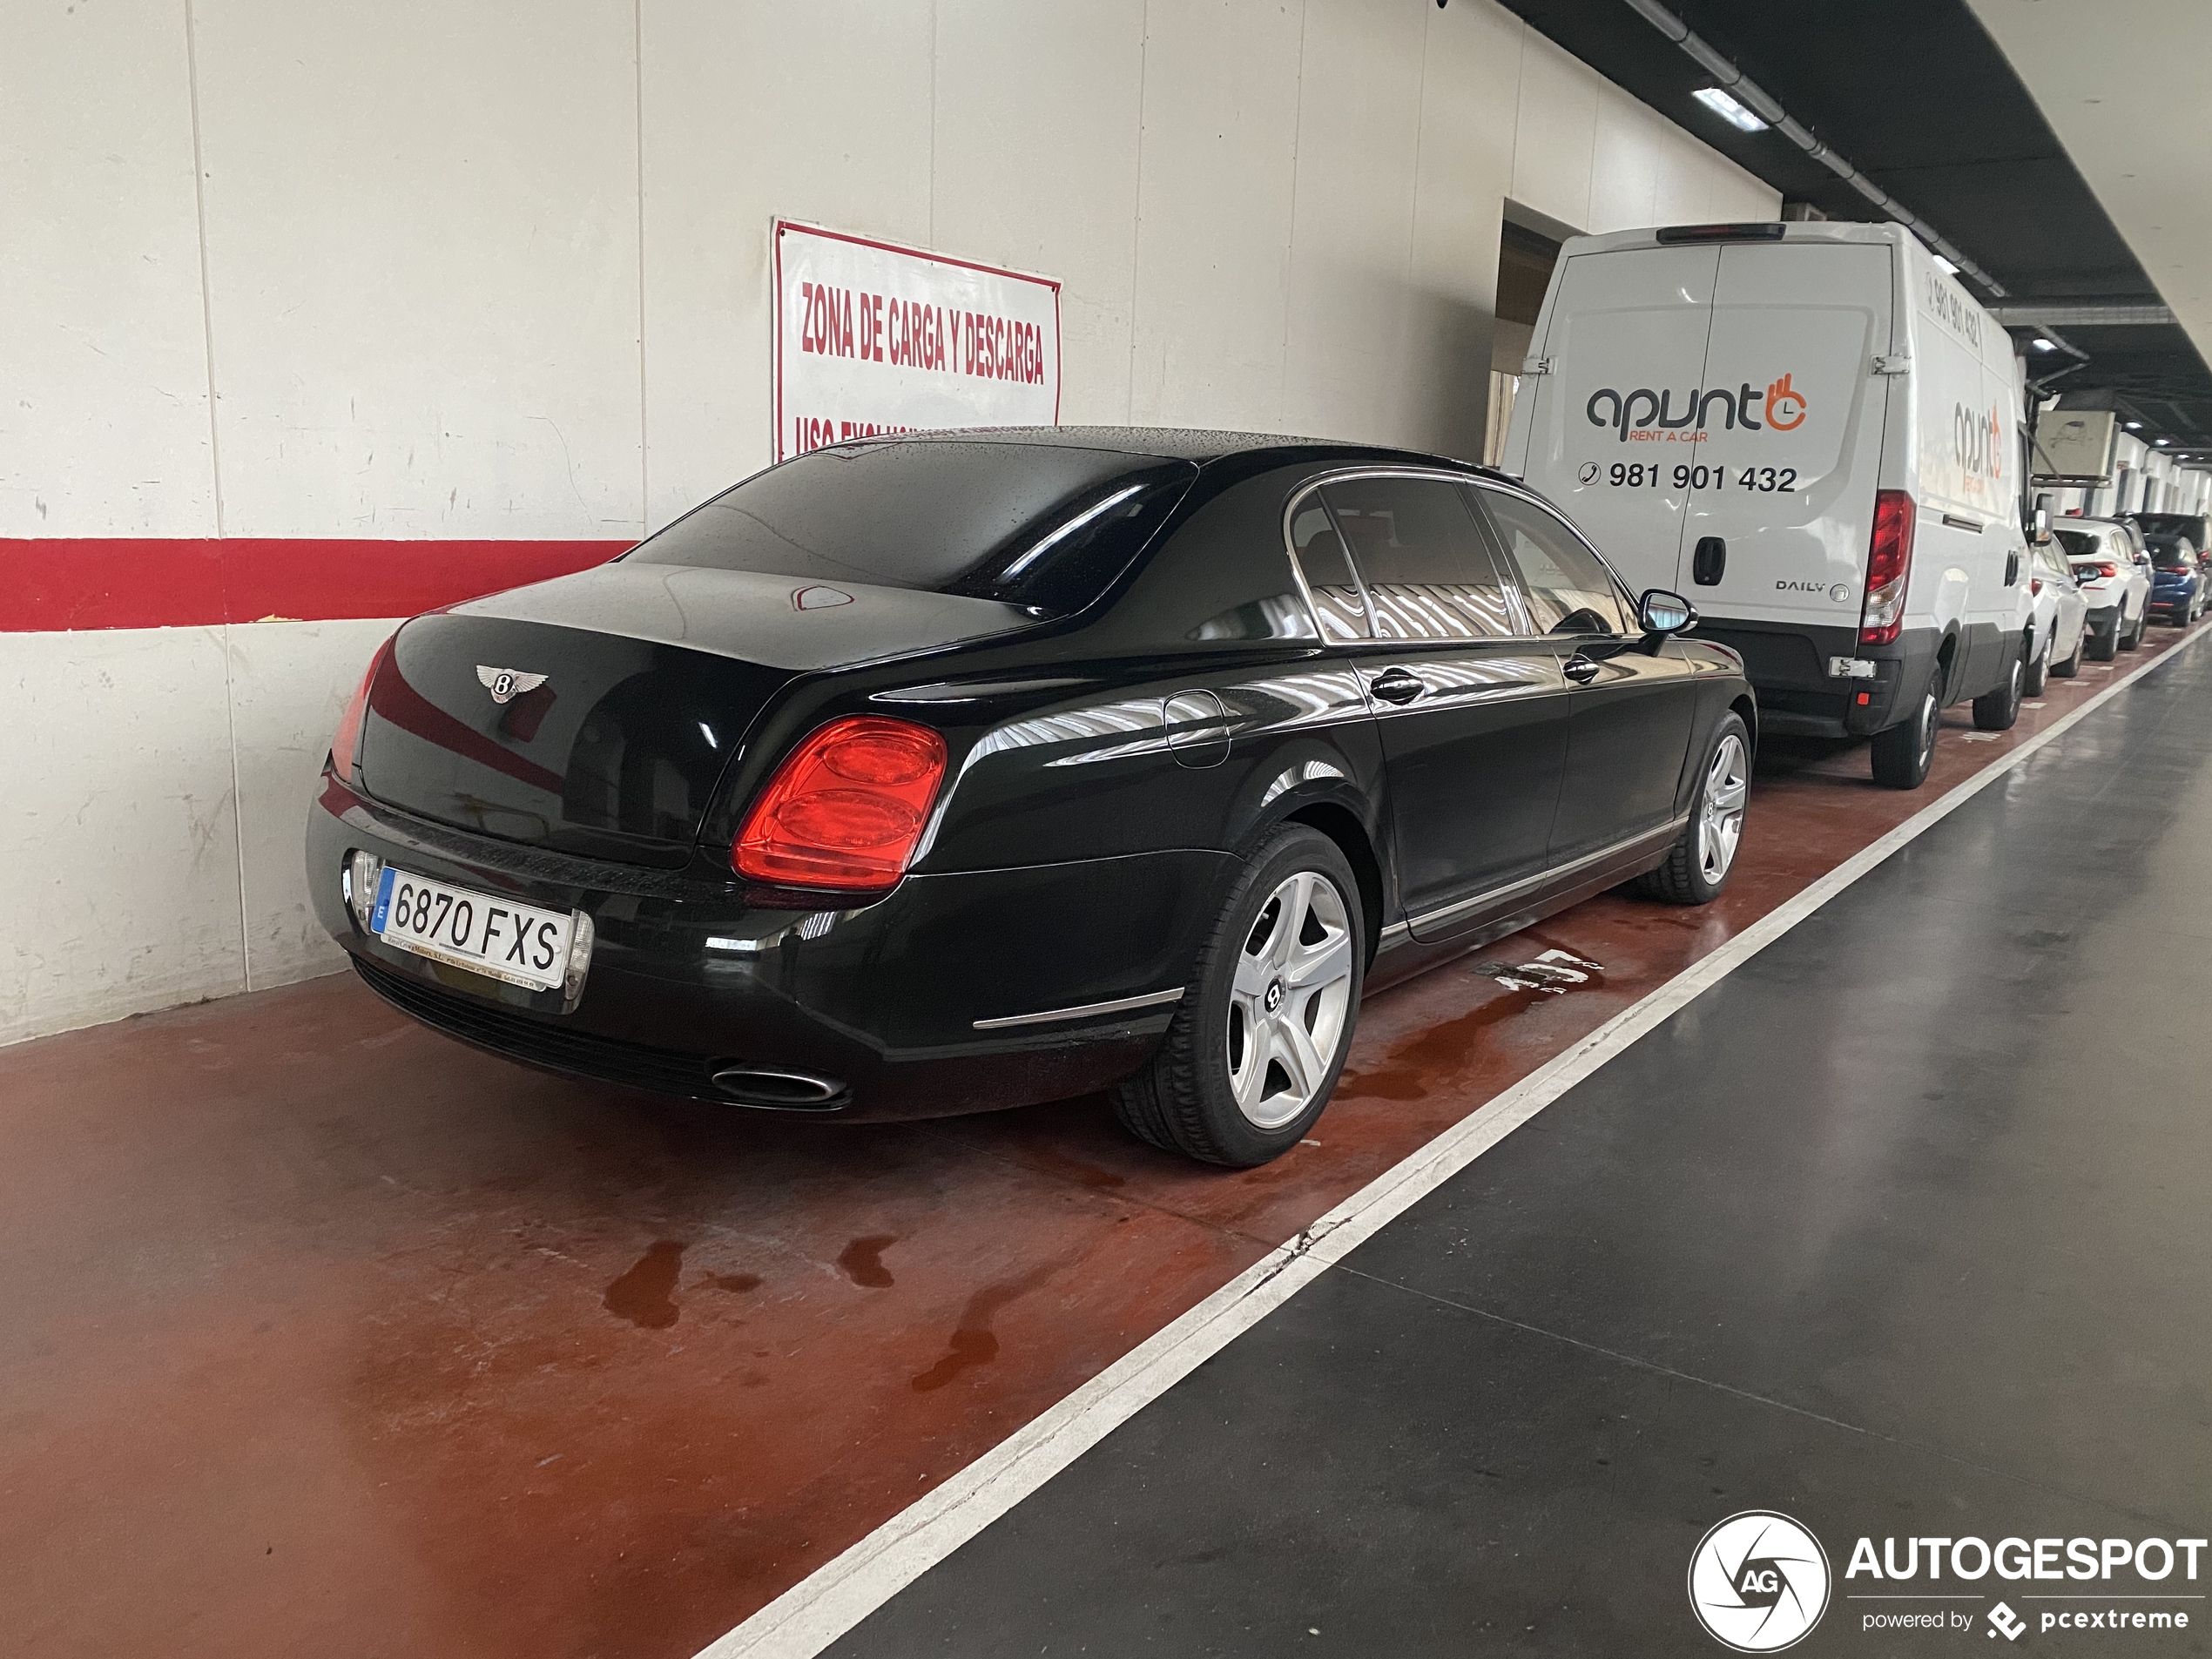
x=1814, y=432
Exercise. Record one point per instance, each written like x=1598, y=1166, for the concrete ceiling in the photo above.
x=2127, y=85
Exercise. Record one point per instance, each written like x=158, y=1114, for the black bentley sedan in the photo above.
x=947, y=772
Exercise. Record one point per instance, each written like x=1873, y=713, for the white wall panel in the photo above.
x=289, y=681
x=1214, y=210
x=103, y=378
x=120, y=836
x=1555, y=134
x=422, y=243
x=1036, y=163
x=1469, y=104
x=819, y=112
x=1351, y=310
x=1625, y=163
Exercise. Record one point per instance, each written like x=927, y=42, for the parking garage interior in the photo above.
x=1861, y=1195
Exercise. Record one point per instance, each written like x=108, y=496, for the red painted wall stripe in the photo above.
x=51, y=584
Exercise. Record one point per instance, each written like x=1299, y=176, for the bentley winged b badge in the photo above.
x=507, y=684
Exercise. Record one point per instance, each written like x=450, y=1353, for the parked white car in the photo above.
x=2114, y=571
x=2058, y=619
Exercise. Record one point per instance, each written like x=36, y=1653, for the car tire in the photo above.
x=1903, y=753
x=1233, y=1082
x=1698, y=864
x=1996, y=710
x=2068, y=668
x=2131, y=639
x=2102, y=645
x=2038, y=670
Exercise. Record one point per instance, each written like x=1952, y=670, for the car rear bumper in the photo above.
x=1788, y=667
x=693, y=977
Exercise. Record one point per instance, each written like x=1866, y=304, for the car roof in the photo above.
x=1190, y=444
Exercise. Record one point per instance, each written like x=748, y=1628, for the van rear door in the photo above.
x=1786, y=470
x=1610, y=420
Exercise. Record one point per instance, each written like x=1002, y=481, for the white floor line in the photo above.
x=828, y=1602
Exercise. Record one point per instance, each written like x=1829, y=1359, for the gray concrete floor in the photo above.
x=1899, y=1229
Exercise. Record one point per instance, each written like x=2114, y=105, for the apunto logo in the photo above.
x=1758, y=1581
x=1644, y=409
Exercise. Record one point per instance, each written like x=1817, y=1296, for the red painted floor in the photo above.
x=325, y=1334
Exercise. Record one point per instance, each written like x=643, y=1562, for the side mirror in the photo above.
x=1663, y=613
x=2042, y=526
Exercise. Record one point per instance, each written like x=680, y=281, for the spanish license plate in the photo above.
x=463, y=929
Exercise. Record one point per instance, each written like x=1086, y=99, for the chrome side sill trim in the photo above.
x=1543, y=878
x=1119, y=1005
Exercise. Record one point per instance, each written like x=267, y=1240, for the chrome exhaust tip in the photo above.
x=779, y=1089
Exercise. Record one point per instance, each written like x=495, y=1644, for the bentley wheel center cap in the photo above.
x=1274, y=998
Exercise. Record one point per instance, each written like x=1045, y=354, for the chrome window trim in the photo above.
x=1340, y=474
x=1119, y=1005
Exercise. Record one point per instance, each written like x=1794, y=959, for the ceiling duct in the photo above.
x=1760, y=102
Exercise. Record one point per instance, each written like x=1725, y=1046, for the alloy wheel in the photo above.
x=1292, y=995
x=1720, y=824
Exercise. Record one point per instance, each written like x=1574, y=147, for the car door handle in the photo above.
x=1580, y=669
x=1396, y=685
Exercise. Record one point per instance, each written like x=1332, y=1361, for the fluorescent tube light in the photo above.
x=1729, y=110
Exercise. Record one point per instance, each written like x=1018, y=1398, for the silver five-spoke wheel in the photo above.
x=1720, y=824
x=1290, y=998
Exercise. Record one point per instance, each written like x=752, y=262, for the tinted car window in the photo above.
x=2081, y=544
x=1568, y=587
x=1328, y=574
x=1027, y=524
x=2171, y=553
x=1419, y=552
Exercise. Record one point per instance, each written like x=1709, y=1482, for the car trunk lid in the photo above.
x=596, y=714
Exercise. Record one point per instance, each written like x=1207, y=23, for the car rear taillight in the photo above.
x=847, y=809
x=1888, y=567
x=345, y=742
x=2095, y=572
x=2035, y=586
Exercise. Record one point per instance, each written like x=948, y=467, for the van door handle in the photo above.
x=1580, y=669
x=1710, y=562
x=1396, y=685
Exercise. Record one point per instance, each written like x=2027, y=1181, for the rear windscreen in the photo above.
x=2191, y=525
x=2079, y=544
x=2170, y=555
x=1029, y=525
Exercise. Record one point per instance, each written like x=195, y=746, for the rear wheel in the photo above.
x=1996, y=710
x=2039, y=668
x=1257, y=1045
x=1903, y=753
x=2130, y=638
x=1698, y=863
x=2104, y=642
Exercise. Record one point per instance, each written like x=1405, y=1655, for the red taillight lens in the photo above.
x=1888, y=567
x=2035, y=586
x=845, y=810
x=345, y=742
x=2092, y=572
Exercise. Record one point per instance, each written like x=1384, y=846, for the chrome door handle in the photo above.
x=1580, y=669
x=1395, y=685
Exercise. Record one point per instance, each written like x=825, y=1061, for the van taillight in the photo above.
x=345, y=742
x=847, y=809
x=1889, y=568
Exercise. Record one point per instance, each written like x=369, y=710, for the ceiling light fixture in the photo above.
x=2134, y=426
x=1729, y=110
x=2046, y=344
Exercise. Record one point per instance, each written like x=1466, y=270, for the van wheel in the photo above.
x=1698, y=863
x=2068, y=668
x=1256, y=1047
x=2040, y=669
x=1903, y=753
x=1996, y=711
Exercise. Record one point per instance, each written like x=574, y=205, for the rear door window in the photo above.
x=1566, y=587
x=1421, y=558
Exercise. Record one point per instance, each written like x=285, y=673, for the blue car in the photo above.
x=2177, y=581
